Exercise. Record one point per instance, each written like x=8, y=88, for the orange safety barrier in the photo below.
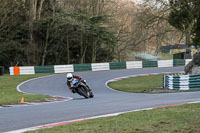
x=16, y=71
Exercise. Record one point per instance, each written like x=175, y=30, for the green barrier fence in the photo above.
x=182, y=82
x=117, y=65
x=44, y=69
x=82, y=67
x=88, y=67
x=149, y=64
x=178, y=62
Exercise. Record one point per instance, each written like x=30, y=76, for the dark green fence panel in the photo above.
x=44, y=69
x=149, y=64
x=82, y=67
x=179, y=55
x=117, y=65
x=178, y=62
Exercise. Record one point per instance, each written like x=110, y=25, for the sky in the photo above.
x=137, y=1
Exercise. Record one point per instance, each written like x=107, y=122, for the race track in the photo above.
x=106, y=101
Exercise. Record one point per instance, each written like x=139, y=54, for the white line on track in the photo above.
x=89, y=118
x=100, y=116
x=72, y=121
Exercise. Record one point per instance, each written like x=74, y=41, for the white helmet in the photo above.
x=69, y=76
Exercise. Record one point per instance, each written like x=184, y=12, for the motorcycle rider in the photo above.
x=70, y=77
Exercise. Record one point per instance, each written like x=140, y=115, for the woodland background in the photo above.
x=50, y=32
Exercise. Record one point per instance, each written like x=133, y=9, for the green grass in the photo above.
x=141, y=84
x=181, y=119
x=9, y=94
x=165, y=56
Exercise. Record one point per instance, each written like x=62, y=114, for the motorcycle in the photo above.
x=81, y=88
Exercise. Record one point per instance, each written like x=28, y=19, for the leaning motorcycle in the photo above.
x=81, y=88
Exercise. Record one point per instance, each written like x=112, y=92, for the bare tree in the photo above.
x=34, y=13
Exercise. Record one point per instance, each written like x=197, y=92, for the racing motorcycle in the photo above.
x=81, y=88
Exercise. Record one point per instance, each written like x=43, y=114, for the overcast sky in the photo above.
x=137, y=1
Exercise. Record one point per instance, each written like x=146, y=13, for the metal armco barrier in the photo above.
x=21, y=70
x=182, y=82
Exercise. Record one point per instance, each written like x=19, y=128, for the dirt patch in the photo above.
x=54, y=99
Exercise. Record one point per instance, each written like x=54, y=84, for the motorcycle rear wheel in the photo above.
x=83, y=92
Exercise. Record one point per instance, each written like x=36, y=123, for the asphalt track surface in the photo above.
x=106, y=101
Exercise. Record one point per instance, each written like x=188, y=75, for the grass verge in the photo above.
x=140, y=84
x=143, y=84
x=180, y=119
x=165, y=56
x=9, y=94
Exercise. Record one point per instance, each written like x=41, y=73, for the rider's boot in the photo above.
x=72, y=90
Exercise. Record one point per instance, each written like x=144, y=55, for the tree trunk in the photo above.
x=40, y=8
x=32, y=45
x=119, y=56
x=68, y=52
x=83, y=55
x=45, y=48
x=158, y=40
x=187, y=36
x=94, y=52
x=83, y=49
x=34, y=6
x=145, y=39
